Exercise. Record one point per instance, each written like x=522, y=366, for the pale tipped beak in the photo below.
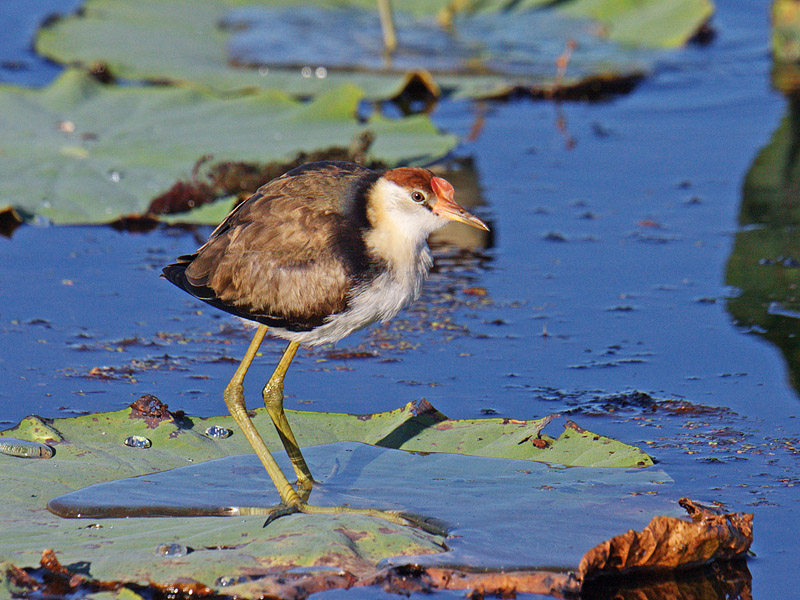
x=446, y=207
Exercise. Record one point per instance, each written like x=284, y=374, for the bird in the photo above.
x=324, y=250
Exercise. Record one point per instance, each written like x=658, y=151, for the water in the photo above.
x=18, y=63
x=643, y=192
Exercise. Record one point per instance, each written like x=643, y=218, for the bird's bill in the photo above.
x=448, y=208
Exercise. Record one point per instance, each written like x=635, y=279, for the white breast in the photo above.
x=380, y=300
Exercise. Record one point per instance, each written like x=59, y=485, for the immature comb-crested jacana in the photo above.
x=319, y=252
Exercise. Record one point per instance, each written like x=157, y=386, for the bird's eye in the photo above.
x=418, y=197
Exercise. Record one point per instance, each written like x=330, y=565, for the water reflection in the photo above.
x=764, y=265
x=721, y=581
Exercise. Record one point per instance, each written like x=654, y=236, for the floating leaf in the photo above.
x=511, y=49
x=649, y=23
x=416, y=427
x=83, y=152
x=670, y=543
x=497, y=46
x=299, y=554
x=165, y=40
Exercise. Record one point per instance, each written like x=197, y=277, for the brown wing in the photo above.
x=288, y=255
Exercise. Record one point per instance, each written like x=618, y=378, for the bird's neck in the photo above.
x=401, y=253
x=395, y=239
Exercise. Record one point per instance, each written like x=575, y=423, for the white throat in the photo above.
x=400, y=228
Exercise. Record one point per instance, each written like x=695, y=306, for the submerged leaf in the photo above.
x=518, y=47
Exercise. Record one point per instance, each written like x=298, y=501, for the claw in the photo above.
x=282, y=511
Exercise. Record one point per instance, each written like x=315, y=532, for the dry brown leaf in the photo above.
x=670, y=543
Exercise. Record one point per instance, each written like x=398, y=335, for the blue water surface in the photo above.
x=605, y=293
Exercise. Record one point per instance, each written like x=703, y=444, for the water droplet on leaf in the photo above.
x=215, y=431
x=229, y=580
x=172, y=550
x=137, y=441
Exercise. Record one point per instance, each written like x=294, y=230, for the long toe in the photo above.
x=405, y=519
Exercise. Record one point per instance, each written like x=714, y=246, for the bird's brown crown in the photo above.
x=411, y=178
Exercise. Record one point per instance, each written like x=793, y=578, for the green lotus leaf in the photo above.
x=445, y=477
x=476, y=49
x=83, y=152
x=647, y=23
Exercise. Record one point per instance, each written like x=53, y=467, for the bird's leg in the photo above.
x=234, y=399
x=293, y=502
x=273, y=400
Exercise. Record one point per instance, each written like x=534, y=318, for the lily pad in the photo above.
x=506, y=49
x=648, y=23
x=416, y=427
x=531, y=506
x=83, y=152
x=493, y=47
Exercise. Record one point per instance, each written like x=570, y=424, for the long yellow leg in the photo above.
x=234, y=399
x=292, y=502
x=273, y=400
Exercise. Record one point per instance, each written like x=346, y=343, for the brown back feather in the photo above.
x=289, y=255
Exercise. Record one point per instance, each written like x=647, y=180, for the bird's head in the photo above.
x=418, y=202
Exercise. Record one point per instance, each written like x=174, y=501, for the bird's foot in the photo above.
x=304, y=489
x=427, y=524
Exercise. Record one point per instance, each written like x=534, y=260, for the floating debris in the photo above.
x=25, y=449
x=151, y=410
x=137, y=441
x=172, y=550
x=215, y=431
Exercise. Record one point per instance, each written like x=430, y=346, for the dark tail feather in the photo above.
x=176, y=273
